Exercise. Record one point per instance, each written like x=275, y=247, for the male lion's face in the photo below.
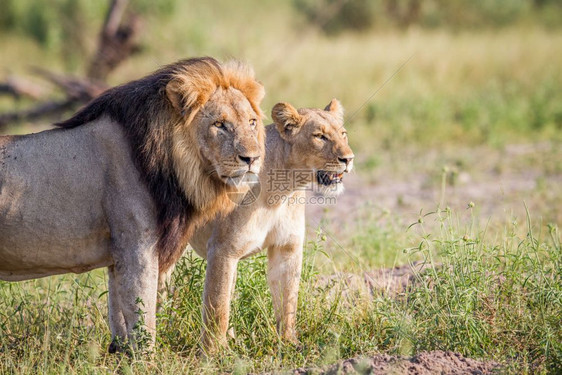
x=319, y=142
x=230, y=136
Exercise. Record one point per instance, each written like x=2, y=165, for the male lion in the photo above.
x=127, y=180
x=308, y=146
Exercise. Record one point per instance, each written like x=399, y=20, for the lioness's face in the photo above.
x=230, y=136
x=319, y=142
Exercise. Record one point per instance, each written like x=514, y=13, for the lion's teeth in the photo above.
x=328, y=178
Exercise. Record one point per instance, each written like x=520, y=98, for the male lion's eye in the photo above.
x=321, y=136
x=218, y=124
x=253, y=122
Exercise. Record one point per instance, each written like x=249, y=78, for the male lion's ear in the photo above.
x=173, y=92
x=187, y=97
x=287, y=119
x=335, y=108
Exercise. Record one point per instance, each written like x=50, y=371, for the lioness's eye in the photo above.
x=344, y=134
x=253, y=122
x=218, y=124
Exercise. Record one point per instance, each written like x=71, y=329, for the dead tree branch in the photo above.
x=118, y=40
x=18, y=88
x=45, y=109
x=77, y=88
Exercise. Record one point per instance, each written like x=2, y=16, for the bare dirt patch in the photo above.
x=498, y=181
x=384, y=281
x=425, y=363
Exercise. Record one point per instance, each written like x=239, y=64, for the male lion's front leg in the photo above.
x=136, y=283
x=116, y=318
x=219, y=283
x=283, y=275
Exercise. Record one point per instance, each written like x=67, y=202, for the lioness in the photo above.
x=126, y=181
x=307, y=146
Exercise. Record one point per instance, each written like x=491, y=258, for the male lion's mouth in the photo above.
x=233, y=180
x=234, y=176
x=239, y=179
x=329, y=178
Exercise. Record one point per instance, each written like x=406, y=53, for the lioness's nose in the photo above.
x=346, y=160
x=248, y=159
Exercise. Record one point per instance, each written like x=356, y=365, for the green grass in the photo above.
x=498, y=298
x=459, y=102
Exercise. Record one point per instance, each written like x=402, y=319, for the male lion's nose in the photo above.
x=248, y=159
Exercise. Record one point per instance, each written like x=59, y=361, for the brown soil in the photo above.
x=435, y=362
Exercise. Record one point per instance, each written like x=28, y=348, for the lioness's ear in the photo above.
x=287, y=119
x=335, y=108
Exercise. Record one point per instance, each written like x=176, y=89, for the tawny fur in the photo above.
x=128, y=179
x=293, y=143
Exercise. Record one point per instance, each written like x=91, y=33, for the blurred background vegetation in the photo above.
x=423, y=81
x=477, y=71
x=65, y=23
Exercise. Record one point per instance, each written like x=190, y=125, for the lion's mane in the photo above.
x=148, y=116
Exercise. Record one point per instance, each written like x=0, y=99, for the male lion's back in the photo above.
x=51, y=204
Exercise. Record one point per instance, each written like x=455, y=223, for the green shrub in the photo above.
x=333, y=16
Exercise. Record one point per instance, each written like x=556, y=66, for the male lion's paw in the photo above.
x=121, y=346
x=114, y=347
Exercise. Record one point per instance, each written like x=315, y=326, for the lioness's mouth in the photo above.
x=329, y=178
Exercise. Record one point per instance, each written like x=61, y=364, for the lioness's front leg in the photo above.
x=219, y=283
x=283, y=275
